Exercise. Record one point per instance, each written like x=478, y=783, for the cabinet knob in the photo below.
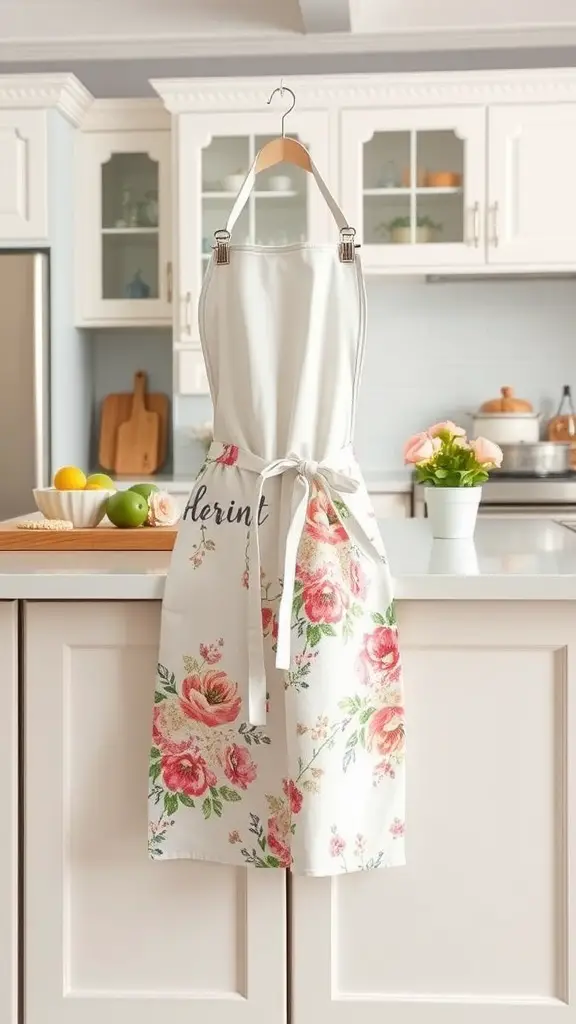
x=476, y=225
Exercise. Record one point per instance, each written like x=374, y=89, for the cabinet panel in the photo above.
x=215, y=152
x=413, y=185
x=23, y=175
x=532, y=215
x=391, y=506
x=111, y=935
x=9, y=845
x=479, y=927
x=123, y=228
x=192, y=378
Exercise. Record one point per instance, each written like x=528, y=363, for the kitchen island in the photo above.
x=477, y=928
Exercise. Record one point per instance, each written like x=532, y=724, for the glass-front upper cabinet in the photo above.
x=284, y=207
x=123, y=228
x=413, y=185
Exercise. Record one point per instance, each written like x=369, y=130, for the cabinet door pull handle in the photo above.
x=476, y=225
x=494, y=210
x=188, y=313
x=169, y=281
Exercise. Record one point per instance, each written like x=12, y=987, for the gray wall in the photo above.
x=129, y=78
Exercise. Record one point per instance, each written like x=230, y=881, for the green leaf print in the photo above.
x=327, y=630
x=170, y=803
x=272, y=862
x=186, y=800
x=230, y=795
x=154, y=753
x=379, y=619
x=207, y=808
x=154, y=770
x=350, y=705
x=391, y=615
x=217, y=808
x=365, y=715
x=313, y=635
x=158, y=696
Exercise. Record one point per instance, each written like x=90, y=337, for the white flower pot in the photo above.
x=453, y=558
x=452, y=511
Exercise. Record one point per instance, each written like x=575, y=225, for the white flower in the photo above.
x=162, y=509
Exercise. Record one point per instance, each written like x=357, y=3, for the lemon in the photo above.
x=99, y=482
x=69, y=478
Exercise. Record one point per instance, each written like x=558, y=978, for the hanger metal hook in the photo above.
x=282, y=89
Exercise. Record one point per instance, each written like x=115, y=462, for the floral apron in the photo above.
x=278, y=731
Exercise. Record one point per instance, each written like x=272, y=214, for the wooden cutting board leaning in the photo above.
x=116, y=410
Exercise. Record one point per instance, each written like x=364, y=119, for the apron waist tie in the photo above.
x=333, y=482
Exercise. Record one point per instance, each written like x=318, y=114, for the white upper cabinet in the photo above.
x=123, y=228
x=215, y=152
x=110, y=935
x=532, y=171
x=23, y=175
x=413, y=185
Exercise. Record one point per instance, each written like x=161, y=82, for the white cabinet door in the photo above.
x=414, y=184
x=123, y=220
x=532, y=170
x=9, y=844
x=480, y=926
x=110, y=935
x=23, y=175
x=391, y=506
x=214, y=152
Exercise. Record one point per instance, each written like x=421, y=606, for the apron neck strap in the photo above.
x=248, y=184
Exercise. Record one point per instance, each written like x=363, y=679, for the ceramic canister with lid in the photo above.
x=507, y=420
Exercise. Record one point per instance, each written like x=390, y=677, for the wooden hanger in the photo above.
x=283, y=149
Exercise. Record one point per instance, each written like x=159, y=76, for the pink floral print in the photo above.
x=206, y=760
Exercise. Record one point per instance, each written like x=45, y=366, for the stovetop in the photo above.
x=516, y=489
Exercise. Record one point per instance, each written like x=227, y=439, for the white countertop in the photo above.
x=519, y=560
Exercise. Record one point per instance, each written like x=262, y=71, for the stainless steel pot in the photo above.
x=543, y=458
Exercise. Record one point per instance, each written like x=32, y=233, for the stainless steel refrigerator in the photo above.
x=24, y=380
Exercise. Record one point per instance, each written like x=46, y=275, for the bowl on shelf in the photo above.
x=233, y=182
x=443, y=179
x=280, y=183
x=81, y=508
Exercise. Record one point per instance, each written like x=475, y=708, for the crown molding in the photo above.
x=61, y=92
x=126, y=115
x=535, y=36
x=454, y=88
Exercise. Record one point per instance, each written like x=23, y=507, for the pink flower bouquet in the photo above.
x=444, y=457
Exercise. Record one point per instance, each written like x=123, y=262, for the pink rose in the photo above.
x=229, y=455
x=447, y=427
x=267, y=616
x=187, y=773
x=386, y=730
x=337, y=846
x=210, y=653
x=420, y=448
x=487, y=453
x=322, y=522
x=381, y=648
x=324, y=600
x=162, y=509
x=277, y=843
x=294, y=795
x=239, y=766
x=210, y=698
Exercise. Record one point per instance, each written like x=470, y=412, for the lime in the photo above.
x=99, y=482
x=126, y=509
x=144, y=489
x=69, y=478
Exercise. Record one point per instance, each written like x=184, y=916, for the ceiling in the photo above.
x=36, y=30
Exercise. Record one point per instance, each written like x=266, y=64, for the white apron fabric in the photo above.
x=278, y=733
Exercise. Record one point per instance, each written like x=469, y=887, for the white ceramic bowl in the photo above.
x=233, y=182
x=81, y=508
x=280, y=183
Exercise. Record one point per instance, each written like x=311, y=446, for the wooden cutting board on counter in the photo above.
x=117, y=409
x=101, y=538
